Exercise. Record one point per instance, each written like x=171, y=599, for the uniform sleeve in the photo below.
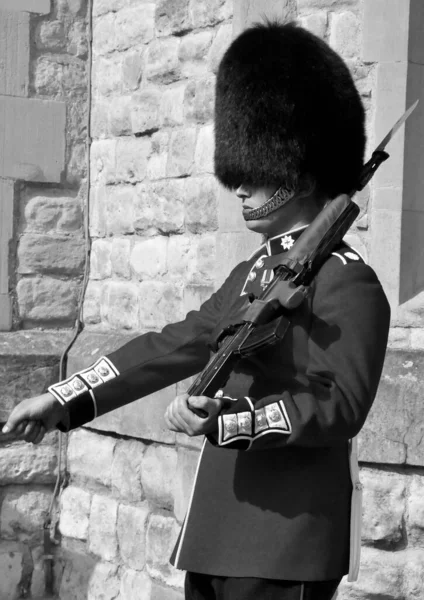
x=329, y=404
x=142, y=366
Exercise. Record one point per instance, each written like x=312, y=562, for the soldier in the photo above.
x=274, y=510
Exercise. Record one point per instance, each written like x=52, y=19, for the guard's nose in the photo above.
x=243, y=191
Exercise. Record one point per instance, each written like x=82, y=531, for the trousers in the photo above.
x=209, y=587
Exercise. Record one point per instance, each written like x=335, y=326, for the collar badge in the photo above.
x=287, y=242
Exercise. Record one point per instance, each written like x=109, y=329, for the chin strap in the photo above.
x=277, y=200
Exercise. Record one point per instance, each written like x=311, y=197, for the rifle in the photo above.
x=267, y=319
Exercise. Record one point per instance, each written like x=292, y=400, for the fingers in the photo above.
x=34, y=432
x=176, y=414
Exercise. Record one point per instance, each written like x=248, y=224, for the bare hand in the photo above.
x=180, y=418
x=32, y=418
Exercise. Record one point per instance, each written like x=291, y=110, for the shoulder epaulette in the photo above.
x=347, y=254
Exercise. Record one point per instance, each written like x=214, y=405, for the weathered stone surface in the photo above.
x=194, y=46
x=126, y=470
x=393, y=432
x=132, y=155
x=156, y=168
x=344, y=34
x=90, y=457
x=104, y=583
x=417, y=338
x=132, y=523
x=77, y=39
x=194, y=296
x=119, y=213
x=209, y=12
x=160, y=303
x=184, y=479
x=172, y=105
x=100, y=264
x=400, y=337
x=413, y=575
x=132, y=70
x=181, y=152
x=120, y=257
x=77, y=573
x=383, y=506
x=145, y=115
x=162, y=533
x=135, y=585
x=199, y=100
x=162, y=65
x=14, y=50
x=50, y=35
x=23, y=514
x=316, y=23
x=119, y=116
x=92, y=302
x=135, y=25
x=203, y=157
x=158, y=473
x=10, y=569
x=106, y=75
x=102, y=529
x=159, y=207
x=148, y=258
x=46, y=254
x=166, y=593
x=45, y=211
x=99, y=117
x=38, y=584
x=201, y=214
x=192, y=258
x=120, y=310
x=172, y=16
x=75, y=506
x=220, y=44
x=47, y=301
x=415, y=512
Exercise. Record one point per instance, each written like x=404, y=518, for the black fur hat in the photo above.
x=286, y=105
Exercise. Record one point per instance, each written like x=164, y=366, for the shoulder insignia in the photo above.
x=348, y=255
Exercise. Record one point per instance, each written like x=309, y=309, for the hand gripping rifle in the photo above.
x=267, y=318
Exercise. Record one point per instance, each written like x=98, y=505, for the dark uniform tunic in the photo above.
x=273, y=489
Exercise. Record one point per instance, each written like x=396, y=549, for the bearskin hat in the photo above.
x=286, y=105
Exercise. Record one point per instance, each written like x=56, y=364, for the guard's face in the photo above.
x=254, y=197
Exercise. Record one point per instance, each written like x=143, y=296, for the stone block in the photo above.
x=220, y=44
x=120, y=308
x=415, y=512
x=316, y=23
x=380, y=20
x=383, y=507
x=162, y=533
x=172, y=17
x=172, y=105
x=135, y=585
x=160, y=304
x=195, y=46
x=195, y=295
x=7, y=193
x=100, y=263
x=148, y=258
x=204, y=153
x=23, y=514
x=400, y=337
x=90, y=457
x=119, y=202
x=135, y=25
x=120, y=257
x=11, y=558
x=181, y=152
x=75, y=506
x=157, y=475
x=345, y=34
x=97, y=220
x=104, y=583
x=159, y=208
x=395, y=436
x=50, y=35
x=46, y=300
x=41, y=7
x=104, y=40
x=201, y=214
x=76, y=166
x=107, y=75
x=184, y=480
x=120, y=116
x=132, y=70
x=145, y=110
x=45, y=254
x=166, y=593
x=131, y=529
x=417, y=338
x=5, y=312
x=132, y=155
x=77, y=39
x=48, y=76
x=78, y=570
x=34, y=139
x=50, y=211
x=99, y=118
x=126, y=470
x=162, y=65
x=192, y=258
x=208, y=12
x=102, y=533
x=92, y=303
x=14, y=50
x=156, y=168
x=199, y=100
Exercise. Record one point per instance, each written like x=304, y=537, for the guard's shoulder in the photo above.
x=346, y=255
